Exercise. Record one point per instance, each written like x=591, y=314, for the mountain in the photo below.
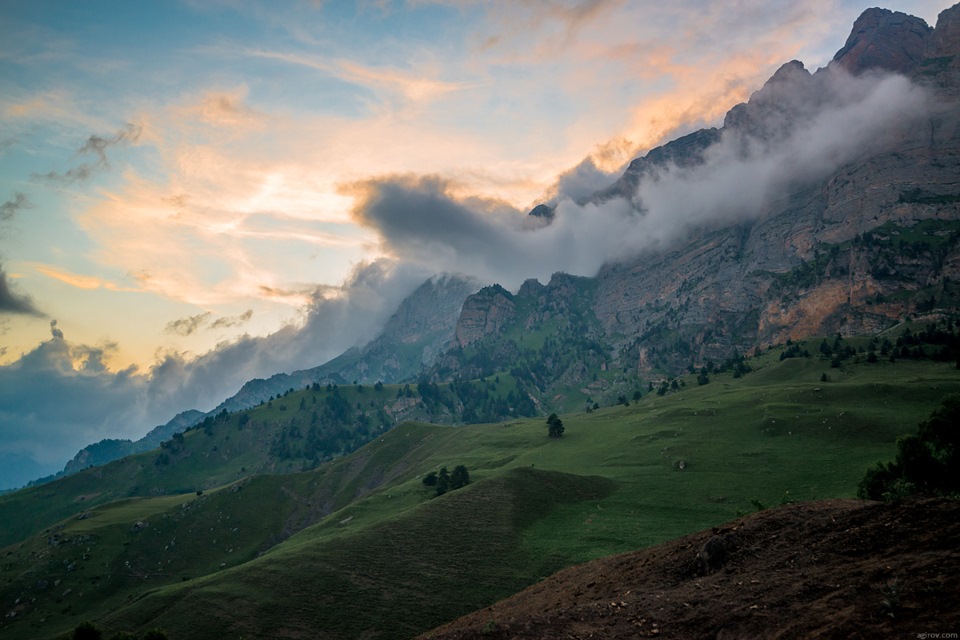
x=691, y=390
x=852, y=248
x=412, y=339
x=112, y=449
x=887, y=40
x=14, y=467
x=415, y=335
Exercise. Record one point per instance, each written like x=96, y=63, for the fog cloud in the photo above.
x=800, y=130
x=12, y=301
x=93, y=402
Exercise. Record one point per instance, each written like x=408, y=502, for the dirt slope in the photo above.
x=834, y=569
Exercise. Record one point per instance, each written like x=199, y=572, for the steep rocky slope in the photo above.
x=831, y=569
x=414, y=336
x=849, y=249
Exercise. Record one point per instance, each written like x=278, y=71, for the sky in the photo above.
x=194, y=193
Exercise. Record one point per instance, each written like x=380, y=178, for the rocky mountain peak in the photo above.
x=483, y=313
x=543, y=211
x=788, y=72
x=780, y=100
x=945, y=40
x=428, y=308
x=531, y=288
x=884, y=40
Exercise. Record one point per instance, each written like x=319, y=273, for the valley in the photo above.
x=360, y=546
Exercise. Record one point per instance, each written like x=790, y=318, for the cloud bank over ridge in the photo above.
x=832, y=119
x=60, y=396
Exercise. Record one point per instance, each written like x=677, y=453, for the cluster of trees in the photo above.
x=926, y=463
x=170, y=447
x=474, y=401
x=335, y=426
x=938, y=342
x=445, y=481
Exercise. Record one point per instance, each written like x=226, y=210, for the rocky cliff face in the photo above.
x=852, y=251
x=488, y=311
x=885, y=40
x=804, y=267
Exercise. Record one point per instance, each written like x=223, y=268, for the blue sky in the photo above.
x=180, y=179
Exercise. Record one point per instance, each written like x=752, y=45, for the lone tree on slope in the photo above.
x=554, y=426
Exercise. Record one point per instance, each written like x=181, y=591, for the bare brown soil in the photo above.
x=830, y=569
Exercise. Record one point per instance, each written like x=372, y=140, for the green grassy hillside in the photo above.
x=387, y=559
x=294, y=432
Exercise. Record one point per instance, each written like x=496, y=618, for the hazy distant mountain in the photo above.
x=15, y=469
x=415, y=335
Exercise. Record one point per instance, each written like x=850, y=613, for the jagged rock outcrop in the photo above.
x=685, y=151
x=945, y=39
x=419, y=331
x=543, y=211
x=487, y=311
x=884, y=40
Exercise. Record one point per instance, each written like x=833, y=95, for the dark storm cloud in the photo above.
x=14, y=302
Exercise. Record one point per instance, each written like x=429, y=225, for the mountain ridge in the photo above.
x=836, y=253
x=798, y=269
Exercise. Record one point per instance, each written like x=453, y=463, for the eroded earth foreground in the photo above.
x=835, y=569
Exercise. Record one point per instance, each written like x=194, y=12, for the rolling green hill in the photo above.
x=360, y=547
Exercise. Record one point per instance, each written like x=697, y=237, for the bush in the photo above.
x=554, y=426
x=928, y=462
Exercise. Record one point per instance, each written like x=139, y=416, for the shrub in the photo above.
x=554, y=426
x=928, y=462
